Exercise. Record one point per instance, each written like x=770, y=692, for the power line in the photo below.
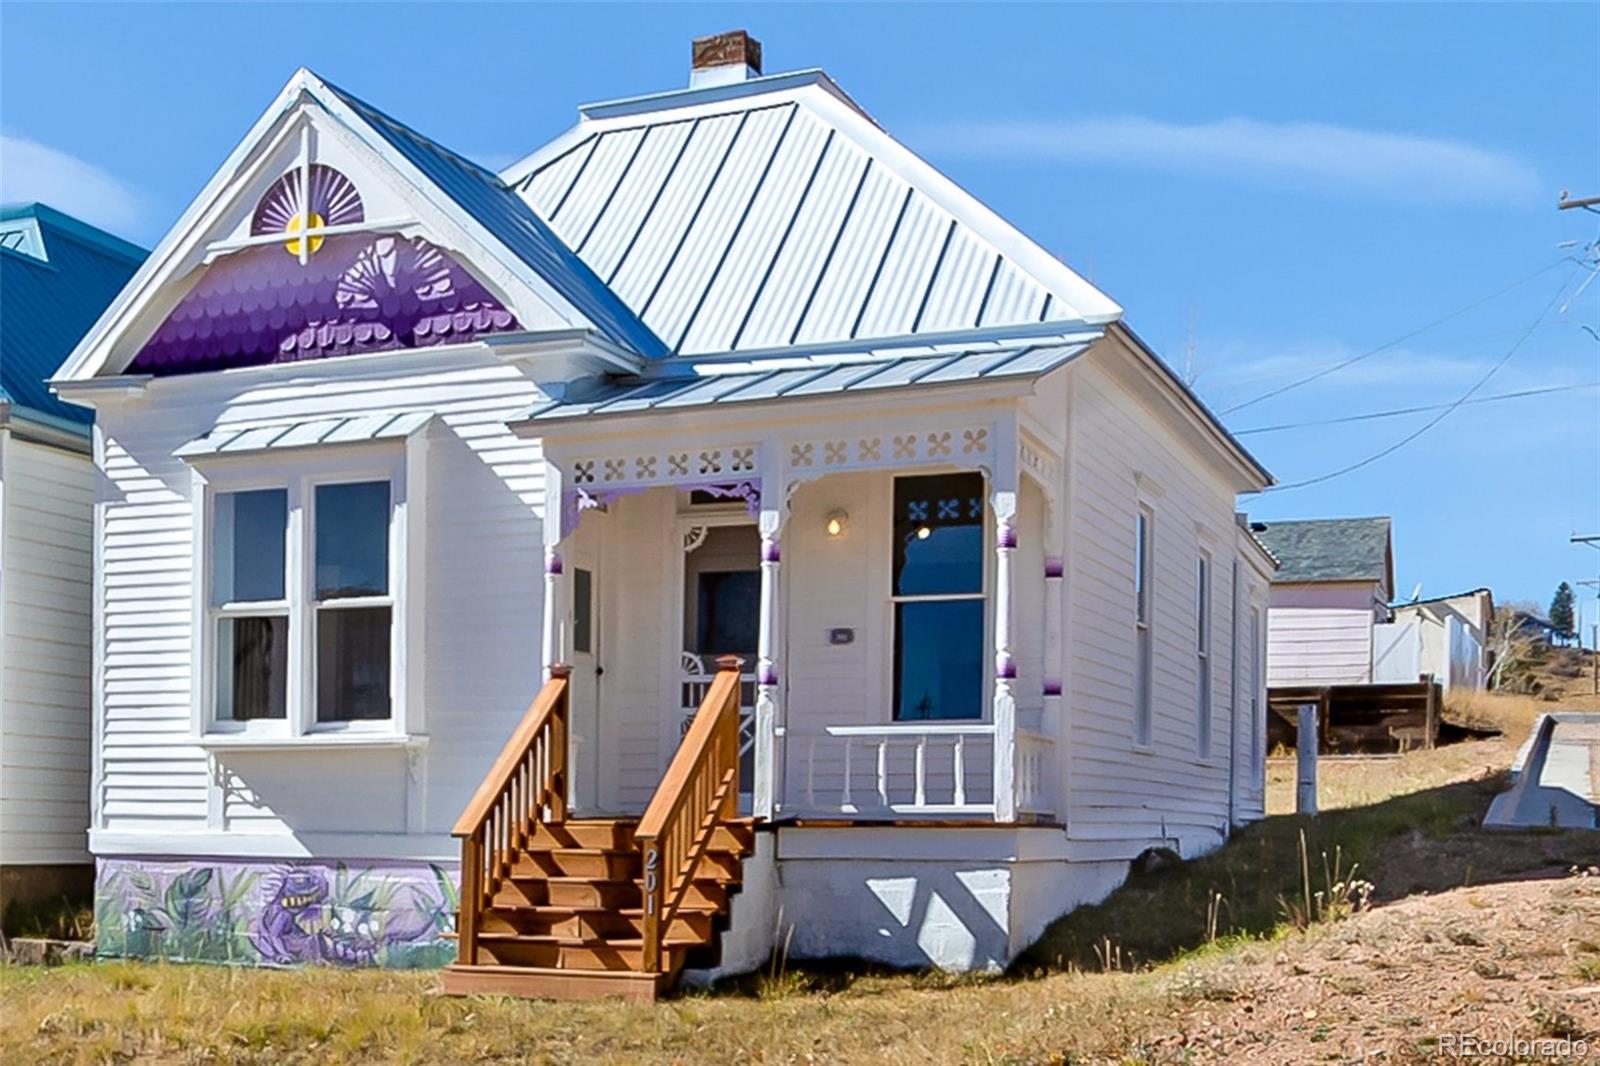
x=1457, y=313
x=1442, y=415
x=1395, y=412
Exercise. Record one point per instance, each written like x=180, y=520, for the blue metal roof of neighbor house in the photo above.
x=486, y=198
x=1329, y=549
x=783, y=216
x=57, y=274
x=830, y=374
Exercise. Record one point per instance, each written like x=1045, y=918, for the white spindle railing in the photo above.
x=1035, y=760
x=907, y=769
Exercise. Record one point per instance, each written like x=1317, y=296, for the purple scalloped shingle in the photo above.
x=358, y=293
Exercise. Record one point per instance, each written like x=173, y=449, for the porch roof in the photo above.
x=817, y=376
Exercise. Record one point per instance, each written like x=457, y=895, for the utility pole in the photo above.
x=1593, y=540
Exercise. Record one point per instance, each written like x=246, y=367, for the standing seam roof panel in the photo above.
x=777, y=308
x=758, y=241
x=695, y=266
x=957, y=291
x=908, y=267
x=642, y=267
x=545, y=189
x=605, y=170
x=837, y=302
x=615, y=229
x=1015, y=298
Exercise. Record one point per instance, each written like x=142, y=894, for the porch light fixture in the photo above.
x=836, y=523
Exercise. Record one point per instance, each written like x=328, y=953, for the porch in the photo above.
x=895, y=593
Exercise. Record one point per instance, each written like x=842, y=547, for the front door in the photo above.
x=588, y=672
x=722, y=616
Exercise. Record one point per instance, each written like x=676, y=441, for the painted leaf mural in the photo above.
x=356, y=292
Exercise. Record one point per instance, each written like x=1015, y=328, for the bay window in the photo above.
x=937, y=592
x=302, y=574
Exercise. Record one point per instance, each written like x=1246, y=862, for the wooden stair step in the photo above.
x=594, y=921
x=604, y=863
x=577, y=953
x=540, y=982
x=586, y=833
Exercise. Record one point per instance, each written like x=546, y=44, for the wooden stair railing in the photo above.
x=698, y=793
x=527, y=785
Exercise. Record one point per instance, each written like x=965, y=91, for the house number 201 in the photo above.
x=652, y=859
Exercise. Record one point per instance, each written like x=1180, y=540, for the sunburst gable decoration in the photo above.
x=331, y=199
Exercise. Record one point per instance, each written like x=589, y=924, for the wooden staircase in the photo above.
x=576, y=908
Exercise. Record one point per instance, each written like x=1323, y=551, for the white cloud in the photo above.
x=33, y=171
x=1402, y=166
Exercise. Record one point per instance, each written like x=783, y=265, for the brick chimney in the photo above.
x=723, y=58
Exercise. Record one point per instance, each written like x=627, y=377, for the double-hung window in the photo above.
x=299, y=627
x=1202, y=626
x=1144, y=665
x=938, y=597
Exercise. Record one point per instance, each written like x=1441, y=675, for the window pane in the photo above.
x=1141, y=567
x=582, y=611
x=252, y=668
x=352, y=664
x=1142, y=682
x=938, y=535
x=352, y=540
x=728, y=613
x=247, y=545
x=1202, y=604
x=938, y=660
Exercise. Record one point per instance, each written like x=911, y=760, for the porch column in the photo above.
x=763, y=790
x=1005, y=663
x=554, y=583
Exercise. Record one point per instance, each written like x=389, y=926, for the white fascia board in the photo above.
x=1091, y=306
x=183, y=246
x=88, y=357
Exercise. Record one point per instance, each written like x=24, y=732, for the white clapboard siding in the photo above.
x=1119, y=454
x=45, y=688
x=482, y=590
x=1321, y=633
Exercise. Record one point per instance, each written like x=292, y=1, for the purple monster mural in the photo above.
x=356, y=292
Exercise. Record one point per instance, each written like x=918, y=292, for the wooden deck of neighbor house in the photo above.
x=564, y=908
x=1365, y=718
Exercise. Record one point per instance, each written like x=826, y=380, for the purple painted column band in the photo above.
x=552, y=562
x=1006, y=536
x=1054, y=567
x=767, y=675
x=1052, y=686
x=770, y=550
x=1005, y=667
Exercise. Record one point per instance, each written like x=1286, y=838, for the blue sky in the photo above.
x=1267, y=190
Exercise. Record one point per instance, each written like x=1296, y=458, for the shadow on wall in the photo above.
x=937, y=915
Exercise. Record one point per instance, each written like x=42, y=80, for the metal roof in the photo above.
x=379, y=425
x=1329, y=549
x=482, y=194
x=786, y=217
x=831, y=374
x=56, y=275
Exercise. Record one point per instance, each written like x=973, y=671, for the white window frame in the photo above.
x=1203, y=580
x=1144, y=652
x=299, y=472
x=891, y=627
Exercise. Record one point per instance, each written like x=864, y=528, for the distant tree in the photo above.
x=1561, y=611
x=1512, y=653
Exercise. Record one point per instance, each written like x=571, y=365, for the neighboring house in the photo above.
x=394, y=445
x=56, y=275
x=1334, y=582
x=1445, y=636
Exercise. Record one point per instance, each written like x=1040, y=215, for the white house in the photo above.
x=393, y=445
x=1445, y=636
x=1333, y=585
x=56, y=275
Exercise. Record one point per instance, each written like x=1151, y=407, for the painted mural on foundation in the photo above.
x=393, y=915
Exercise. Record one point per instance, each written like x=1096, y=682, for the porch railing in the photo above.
x=526, y=786
x=700, y=791
x=907, y=768
x=1035, y=780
